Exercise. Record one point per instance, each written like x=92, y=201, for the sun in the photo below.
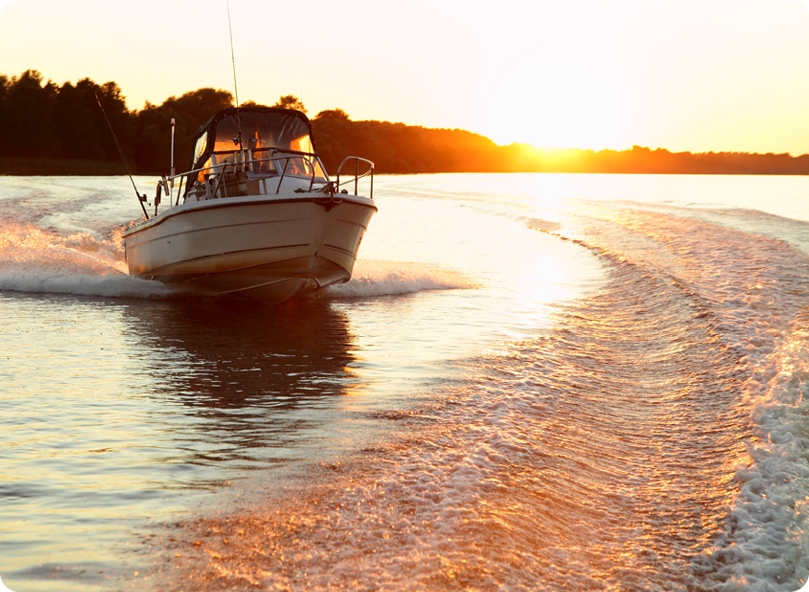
x=569, y=101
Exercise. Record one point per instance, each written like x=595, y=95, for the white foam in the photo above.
x=768, y=548
x=385, y=278
x=40, y=261
x=57, y=281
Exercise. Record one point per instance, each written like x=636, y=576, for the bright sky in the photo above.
x=698, y=75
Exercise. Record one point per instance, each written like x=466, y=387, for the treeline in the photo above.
x=400, y=148
x=639, y=159
x=50, y=129
x=43, y=125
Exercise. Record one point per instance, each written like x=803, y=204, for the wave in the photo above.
x=389, y=278
x=753, y=290
x=58, y=281
x=43, y=261
x=766, y=541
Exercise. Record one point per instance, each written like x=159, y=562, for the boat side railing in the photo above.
x=357, y=175
x=219, y=170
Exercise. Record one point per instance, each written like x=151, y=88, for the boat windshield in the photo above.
x=260, y=131
x=263, y=133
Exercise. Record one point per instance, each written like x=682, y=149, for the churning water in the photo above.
x=533, y=382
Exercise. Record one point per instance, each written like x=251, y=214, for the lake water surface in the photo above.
x=533, y=382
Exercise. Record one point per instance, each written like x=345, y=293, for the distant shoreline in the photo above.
x=33, y=167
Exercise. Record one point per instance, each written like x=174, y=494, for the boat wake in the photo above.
x=37, y=260
x=655, y=439
x=752, y=289
x=389, y=278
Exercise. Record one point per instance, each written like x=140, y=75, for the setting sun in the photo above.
x=693, y=75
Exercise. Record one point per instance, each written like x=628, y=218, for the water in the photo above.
x=533, y=382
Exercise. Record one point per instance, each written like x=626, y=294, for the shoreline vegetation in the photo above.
x=46, y=129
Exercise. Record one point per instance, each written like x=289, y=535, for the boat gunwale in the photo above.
x=247, y=200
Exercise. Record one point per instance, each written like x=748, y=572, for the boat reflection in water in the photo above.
x=244, y=388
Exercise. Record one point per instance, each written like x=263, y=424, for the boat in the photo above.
x=256, y=214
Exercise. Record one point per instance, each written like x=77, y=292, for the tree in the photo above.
x=29, y=117
x=153, y=144
x=333, y=114
x=121, y=118
x=4, y=86
x=80, y=123
x=290, y=102
x=74, y=125
x=251, y=104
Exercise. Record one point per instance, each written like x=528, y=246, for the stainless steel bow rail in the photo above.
x=357, y=176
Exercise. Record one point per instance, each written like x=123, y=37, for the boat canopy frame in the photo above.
x=271, y=130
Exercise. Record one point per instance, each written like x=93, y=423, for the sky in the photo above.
x=697, y=75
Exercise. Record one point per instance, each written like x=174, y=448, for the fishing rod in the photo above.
x=141, y=198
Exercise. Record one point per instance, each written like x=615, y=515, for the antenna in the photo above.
x=233, y=56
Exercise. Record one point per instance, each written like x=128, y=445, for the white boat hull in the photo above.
x=269, y=248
